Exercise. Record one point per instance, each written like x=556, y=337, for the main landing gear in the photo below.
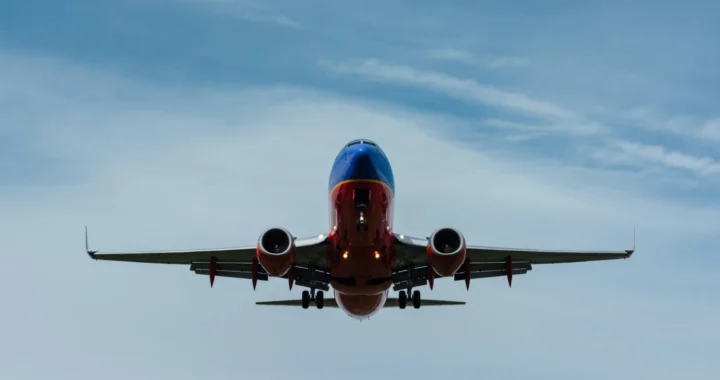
x=310, y=296
x=403, y=298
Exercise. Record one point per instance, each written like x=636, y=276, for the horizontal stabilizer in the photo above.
x=330, y=302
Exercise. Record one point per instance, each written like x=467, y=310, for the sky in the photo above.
x=174, y=124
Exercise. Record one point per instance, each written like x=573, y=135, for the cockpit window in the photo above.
x=355, y=142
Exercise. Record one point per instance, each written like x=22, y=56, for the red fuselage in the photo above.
x=361, y=255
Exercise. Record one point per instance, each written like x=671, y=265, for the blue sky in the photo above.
x=190, y=124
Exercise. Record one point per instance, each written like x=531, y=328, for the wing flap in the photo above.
x=224, y=266
x=234, y=274
x=538, y=256
x=460, y=276
x=481, y=266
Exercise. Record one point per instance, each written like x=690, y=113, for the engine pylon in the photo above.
x=291, y=276
x=467, y=274
x=431, y=276
x=212, y=271
x=254, y=272
x=509, y=270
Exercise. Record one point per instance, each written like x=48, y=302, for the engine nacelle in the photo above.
x=276, y=251
x=446, y=251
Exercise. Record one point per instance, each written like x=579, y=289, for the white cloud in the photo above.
x=566, y=127
x=463, y=89
x=642, y=154
x=651, y=119
x=711, y=129
x=199, y=167
x=249, y=10
x=467, y=57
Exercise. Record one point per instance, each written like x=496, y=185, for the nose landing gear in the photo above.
x=361, y=197
x=361, y=222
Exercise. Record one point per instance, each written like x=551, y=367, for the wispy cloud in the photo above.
x=711, y=130
x=567, y=127
x=642, y=154
x=467, y=57
x=464, y=89
x=686, y=125
x=249, y=10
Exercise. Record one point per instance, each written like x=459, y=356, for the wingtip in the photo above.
x=629, y=252
x=87, y=246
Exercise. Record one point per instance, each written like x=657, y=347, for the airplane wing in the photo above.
x=483, y=262
x=237, y=262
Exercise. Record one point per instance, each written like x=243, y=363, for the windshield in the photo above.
x=361, y=141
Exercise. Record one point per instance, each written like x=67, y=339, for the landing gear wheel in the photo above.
x=320, y=299
x=416, y=299
x=402, y=299
x=305, y=299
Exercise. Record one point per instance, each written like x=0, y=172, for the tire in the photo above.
x=305, y=299
x=320, y=299
x=402, y=299
x=416, y=299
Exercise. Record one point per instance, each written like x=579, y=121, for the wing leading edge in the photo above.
x=483, y=262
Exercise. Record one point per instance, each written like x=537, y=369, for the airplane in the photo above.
x=361, y=256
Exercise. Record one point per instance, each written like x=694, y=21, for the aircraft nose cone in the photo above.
x=362, y=158
x=361, y=165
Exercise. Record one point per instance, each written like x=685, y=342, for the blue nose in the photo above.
x=361, y=164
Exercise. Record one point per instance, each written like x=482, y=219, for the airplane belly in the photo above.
x=363, y=261
x=360, y=306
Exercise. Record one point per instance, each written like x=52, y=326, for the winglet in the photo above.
x=87, y=246
x=631, y=251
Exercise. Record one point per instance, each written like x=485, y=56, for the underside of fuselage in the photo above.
x=361, y=254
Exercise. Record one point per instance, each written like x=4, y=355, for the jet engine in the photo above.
x=276, y=251
x=446, y=251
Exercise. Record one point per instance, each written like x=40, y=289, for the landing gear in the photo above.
x=305, y=299
x=403, y=298
x=361, y=197
x=310, y=296
x=320, y=300
x=416, y=299
x=361, y=222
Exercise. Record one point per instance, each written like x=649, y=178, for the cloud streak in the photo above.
x=463, y=89
x=467, y=57
x=246, y=10
x=638, y=154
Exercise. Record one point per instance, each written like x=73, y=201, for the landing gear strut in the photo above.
x=310, y=296
x=361, y=222
x=361, y=197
